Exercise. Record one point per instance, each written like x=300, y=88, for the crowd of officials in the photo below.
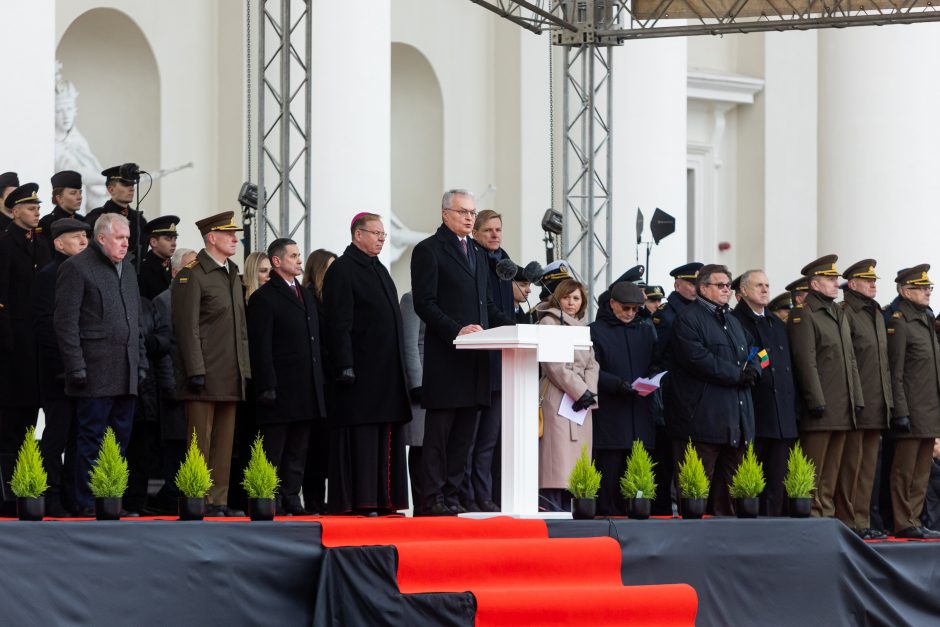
x=104, y=322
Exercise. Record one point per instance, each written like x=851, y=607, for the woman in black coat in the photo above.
x=624, y=346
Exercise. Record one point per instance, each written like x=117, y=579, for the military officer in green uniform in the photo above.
x=209, y=323
x=798, y=290
x=914, y=356
x=781, y=305
x=828, y=382
x=869, y=339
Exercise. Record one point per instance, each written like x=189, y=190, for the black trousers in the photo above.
x=416, y=474
x=144, y=459
x=478, y=484
x=612, y=463
x=13, y=424
x=318, y=464
x=448, y=435
x=773, y=454
x=662, y=456
x=720, y=461
x=58, y=438
x=285, y=444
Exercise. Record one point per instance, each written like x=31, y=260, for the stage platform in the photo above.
x=398, y=571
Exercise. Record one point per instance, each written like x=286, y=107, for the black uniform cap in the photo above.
x=654, y=292
x=114, y=174
x=632, y=275
x=799, y=285
x=689, y=271
x=67, y=178
x=162, y=225
x=783, y=301
x=23, y=194
x=9, y=179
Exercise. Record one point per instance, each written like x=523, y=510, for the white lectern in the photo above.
x=523, y=347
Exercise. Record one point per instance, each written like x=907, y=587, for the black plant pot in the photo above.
x=191, y=508
x=30, y=508
x=747, y=507
x=692, y=508
x=583, y=509
x=108, y=508
x=261, y=509
x=800, y=507
x=639, y=508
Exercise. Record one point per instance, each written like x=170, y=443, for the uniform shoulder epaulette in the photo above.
x=798, y=306
x=38, y=230
x=191, y=263
x=663, y=305
x=656, y=320
x=897, y=314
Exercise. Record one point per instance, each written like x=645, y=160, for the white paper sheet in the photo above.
x=645, y=387
x=565, y=411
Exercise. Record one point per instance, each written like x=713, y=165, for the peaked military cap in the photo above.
x=800, y=285
x=914, y=276
x=654, y=292
x=824, y=266
x=632, y=275
x=68, y=225
x=689, y=271
x=114, y=174
x=9, y=179
x=556, y=272
x=67, y=178
x=224, y=221
x=23, y=194
x=163, y=225
x=864, y=269
x=627, y=293
x=783, y=301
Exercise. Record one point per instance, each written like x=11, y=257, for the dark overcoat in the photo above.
x=155, y=275
x=500, y=292
x=914, y=355
x=173, y=424
x=450, y=294
x=776, y=408
x=623, y=352
x=97, y=323
x=870, y=342
x=365, y=333
x=705, y=400
x=22, y=256
x=51, y=368
x=824, y=363
x=284, y=344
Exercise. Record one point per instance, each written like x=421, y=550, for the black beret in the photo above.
x=67, y=178
x=68, y=225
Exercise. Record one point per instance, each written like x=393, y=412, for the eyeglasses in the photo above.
x=721, y=286
x=629, y=307
x=926, y=288
x=463, y=213
x=378, y=234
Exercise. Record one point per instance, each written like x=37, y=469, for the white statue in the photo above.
x=72, y=151
x=401, y=237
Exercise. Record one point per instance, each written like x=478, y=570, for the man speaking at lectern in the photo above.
x=449, y=280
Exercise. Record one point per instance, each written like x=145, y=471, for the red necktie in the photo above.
x=300, y=296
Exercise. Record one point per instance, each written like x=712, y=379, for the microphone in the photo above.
x=506, y=269
x=533, y=272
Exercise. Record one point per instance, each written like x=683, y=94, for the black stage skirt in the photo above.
x=368, y=471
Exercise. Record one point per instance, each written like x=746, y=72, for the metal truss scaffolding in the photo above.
x=283, y=120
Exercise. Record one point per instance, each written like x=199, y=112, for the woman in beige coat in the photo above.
x=562, y=439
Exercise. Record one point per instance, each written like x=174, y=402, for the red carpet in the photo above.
x=517, y=575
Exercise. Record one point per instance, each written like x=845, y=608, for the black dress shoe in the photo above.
x=468, y=506
x=232, y=513
x=129, y=514
x=86, y=512
x=215, y=511
x=873, y=534
x=438, y=509
x=918, y=533
x=489, y=506
x=459, y=509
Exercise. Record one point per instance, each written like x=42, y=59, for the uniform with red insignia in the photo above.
x=155, y=275
x=118, y=185
x=21, y=258
x=914, y=355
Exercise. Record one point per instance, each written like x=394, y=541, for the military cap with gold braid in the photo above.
x=224, y=221
x=800, y=285
x=916, y=276
x=824, y=266
x=23, y=194
x=864, y=269
x=689, y=271
x=782, y=301
x=654, y=292
x=162, y=225
x=114, y=174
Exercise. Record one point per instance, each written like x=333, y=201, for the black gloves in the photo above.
x=901, y=424
x=78, y=379
x=586, y=400
x=626, y=388
x=749, y=376
x=817, y=412
x=268, y=398
x=347, y=376
x=416, y=395
x=196, y=384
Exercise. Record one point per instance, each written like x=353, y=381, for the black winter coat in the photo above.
x=51, y=369
x=623, y=352
x=284, y=345
x=22, y=256
x=173, y=423
x=704, y=399
x=157, y=333
x=364, y=333
x=500, y=292
x=449, y=294
x=776, y=407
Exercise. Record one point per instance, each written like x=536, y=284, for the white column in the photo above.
x=878, y=149
x=27, y=60
x=350, y=118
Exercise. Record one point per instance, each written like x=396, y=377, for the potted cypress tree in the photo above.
x=193, y=480
x=583, y=482
x=747, y=484
x=799, y=482
x=29, y=479
x=638, y=483
x=693, y=484
x=261, y=483
x=108, y=478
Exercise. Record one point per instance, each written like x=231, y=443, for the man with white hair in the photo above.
x=97, y=309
